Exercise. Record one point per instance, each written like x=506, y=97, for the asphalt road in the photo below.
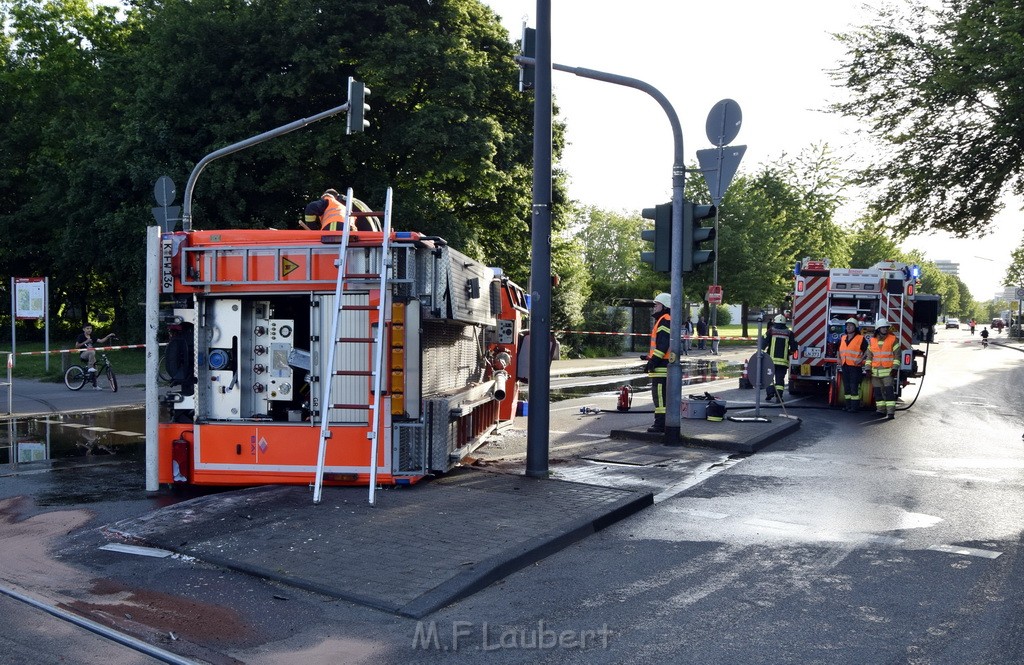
x=855, y=541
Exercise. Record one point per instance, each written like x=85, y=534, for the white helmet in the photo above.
x=881, y=323
x=779, y=318
x=665, y=300
x=855, y=322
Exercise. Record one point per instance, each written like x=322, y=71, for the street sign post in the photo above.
x=714, y=295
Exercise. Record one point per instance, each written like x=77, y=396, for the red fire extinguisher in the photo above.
x=625, y=399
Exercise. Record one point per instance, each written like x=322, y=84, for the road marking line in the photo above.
x=127, y=433
x=884, y=540
x=75, y=425
x=98, y=429
x=966, y=551
x=773, y=524
x=135, y=549
x=708, y=514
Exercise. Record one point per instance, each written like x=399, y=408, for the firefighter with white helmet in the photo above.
x=779, y=342
x=657, y=357
x=883, y=350
x=852, y=348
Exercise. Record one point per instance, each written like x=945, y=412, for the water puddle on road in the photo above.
x=81, y=458
x=77, y=435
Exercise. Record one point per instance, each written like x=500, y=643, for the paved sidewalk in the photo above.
x=415, y=551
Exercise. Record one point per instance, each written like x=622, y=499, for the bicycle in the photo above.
x=78, y=375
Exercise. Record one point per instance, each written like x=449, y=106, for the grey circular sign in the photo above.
x=724, y=122
x=164, y=191
x=1020, y=293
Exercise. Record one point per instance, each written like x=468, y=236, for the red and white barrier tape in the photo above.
x=588, y=332
x=95, y=348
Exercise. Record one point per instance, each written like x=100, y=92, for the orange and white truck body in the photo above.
x=824, y=298
x=255, y=308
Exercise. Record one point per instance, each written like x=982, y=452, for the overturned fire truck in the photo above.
x=331, y=357
x=824, y=298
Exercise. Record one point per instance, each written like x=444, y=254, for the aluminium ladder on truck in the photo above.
x=375, y=371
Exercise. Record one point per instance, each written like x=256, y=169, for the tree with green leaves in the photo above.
x=97, y=107
x=770, y=220
x=611, y=247
x=1015, y=271
x=940, y=89
x=869, y=245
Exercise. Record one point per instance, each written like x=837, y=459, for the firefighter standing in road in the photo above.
x=779, y=342
x=329, y=210
x=883, y=349
x=852, y=347
x=657, y=358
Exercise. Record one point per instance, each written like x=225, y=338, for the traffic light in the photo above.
x=695, y=233
x=661, y=235
x=357, y=106
x=527, y=77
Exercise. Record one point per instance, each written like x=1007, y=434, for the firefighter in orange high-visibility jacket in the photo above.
x=327, y=213
x=657, y=357
x=852, y=349
x=883, y=349
x=779, y=342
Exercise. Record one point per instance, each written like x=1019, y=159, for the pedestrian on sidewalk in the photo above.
x=687, y=334
x=852, y=348
x=714, y=340
x=779, y=342
x=702, y=333
x=657, y=357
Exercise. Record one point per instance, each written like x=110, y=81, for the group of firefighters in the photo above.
x=875, y=353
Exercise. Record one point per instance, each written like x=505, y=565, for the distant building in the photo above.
x=948, y=267
x=1008, y=293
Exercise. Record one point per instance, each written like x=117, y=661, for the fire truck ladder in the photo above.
x=375, y=371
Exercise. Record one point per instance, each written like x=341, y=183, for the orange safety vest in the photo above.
x=852, y=352
x=334, y=215
x=883, y=352
x=663, y=324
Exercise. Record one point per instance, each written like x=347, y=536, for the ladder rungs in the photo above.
x=351, y=372
x=363, y=340
x=351, y=406
x=357, y=308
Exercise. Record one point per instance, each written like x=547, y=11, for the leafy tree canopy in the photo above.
x=942, y=93
x=96, y=106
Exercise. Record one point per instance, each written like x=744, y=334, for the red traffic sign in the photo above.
x=714, y=296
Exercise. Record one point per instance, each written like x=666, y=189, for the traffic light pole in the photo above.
x=674, y=382
x=539, y=417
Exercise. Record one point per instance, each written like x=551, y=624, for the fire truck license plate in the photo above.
x=812, y=352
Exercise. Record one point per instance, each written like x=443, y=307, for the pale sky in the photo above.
x=770, y=57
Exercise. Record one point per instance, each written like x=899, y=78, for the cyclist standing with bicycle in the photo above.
x=86, y=342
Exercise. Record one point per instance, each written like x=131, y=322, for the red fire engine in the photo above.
x=334, y=357
x=824, y=298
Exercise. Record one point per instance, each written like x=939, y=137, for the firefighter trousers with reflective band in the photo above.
x=780, y=381
x=884, y=386
x=852, y=375
x=659, y=380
